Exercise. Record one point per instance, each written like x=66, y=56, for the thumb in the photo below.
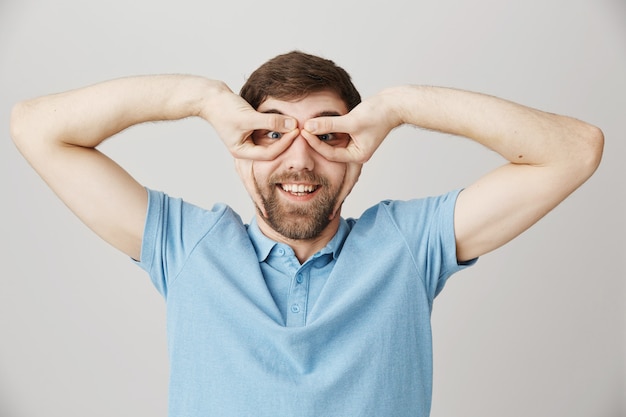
x=273, y=121
x=327, y=124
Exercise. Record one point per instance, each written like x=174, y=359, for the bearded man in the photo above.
x=302, y=312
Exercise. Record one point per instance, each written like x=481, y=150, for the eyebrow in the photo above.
x=325, y=113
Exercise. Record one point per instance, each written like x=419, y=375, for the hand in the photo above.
x=235, y=121
x=367, y=125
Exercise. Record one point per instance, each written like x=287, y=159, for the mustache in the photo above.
x=305, y=177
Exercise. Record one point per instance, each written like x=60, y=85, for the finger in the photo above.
x=274, y=122
x=319, y=146
x=353, y=171
x=332, y=153
x=328, y=124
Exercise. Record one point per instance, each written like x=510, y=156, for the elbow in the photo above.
x=592, y=148
x=17, y=124
x=22, y=126
x=28, y=131
x=584, y=153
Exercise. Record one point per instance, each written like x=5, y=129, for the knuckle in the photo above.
x=274, y=121
x=328, y=124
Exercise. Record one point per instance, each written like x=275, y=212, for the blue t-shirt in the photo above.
x=251, y=332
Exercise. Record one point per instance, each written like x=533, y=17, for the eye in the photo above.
x=265, y=137
x=335, y=139
x=274, y=135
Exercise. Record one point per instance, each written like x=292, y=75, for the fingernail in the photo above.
x=290, y=124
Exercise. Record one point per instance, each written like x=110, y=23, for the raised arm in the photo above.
x=549, y=155
x=58, y=135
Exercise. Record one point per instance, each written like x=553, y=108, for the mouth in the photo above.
x=299, y=190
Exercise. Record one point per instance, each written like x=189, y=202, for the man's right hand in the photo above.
x=235, y=121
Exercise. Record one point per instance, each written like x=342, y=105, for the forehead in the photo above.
x=319, y=103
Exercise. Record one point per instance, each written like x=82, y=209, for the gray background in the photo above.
x=537, y=328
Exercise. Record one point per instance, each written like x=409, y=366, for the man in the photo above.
x=302, y=312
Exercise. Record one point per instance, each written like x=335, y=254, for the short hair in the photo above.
x=295, y=75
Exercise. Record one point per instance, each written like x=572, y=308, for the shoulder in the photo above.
x=175, y=216
x=419, y=209
x=164, y=204
x=174, y=227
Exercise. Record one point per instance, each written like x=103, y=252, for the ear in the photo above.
x=245, y=170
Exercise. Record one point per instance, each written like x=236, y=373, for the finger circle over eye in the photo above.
x=327, y=151
x=279, y=146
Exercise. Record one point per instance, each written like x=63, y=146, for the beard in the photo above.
x=302, y=221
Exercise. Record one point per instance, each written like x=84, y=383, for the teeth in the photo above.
x=298, y=188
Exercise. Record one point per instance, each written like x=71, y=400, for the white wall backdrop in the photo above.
x=537, y=328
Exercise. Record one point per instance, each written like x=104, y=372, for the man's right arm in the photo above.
x=58, y=135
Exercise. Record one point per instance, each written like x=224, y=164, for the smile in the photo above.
x=299, y=189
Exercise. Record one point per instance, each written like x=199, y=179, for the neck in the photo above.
x=303, y=248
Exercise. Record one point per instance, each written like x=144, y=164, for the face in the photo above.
x=299, y=189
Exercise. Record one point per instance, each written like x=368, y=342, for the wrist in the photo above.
x=208, y=94
x=395, y=102
x=181, y=96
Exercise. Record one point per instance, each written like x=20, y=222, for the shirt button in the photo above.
x=299, y=278
x=280, y=251
x=295, y=308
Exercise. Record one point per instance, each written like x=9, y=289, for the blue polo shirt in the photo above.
x=252, y=332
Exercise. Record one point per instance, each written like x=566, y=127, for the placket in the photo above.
x=298, y=297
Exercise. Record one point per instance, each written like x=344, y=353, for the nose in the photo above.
x=299, y=156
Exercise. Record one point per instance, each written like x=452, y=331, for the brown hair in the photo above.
x=295, y=75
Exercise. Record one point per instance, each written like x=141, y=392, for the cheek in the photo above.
x=336, y=173
x=246, y=170
x=260, y=173
x=257, y=171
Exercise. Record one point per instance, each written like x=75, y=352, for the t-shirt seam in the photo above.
x=449, y=269
x=200, y=239
x=408, y=247
x=149, y=264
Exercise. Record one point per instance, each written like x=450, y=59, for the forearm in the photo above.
x=520, y=134
x=550, y=156
x=87, y=116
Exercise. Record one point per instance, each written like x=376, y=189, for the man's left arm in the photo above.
x=549, y=155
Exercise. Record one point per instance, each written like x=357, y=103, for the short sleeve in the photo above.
x=427, y=225
x=172, y=230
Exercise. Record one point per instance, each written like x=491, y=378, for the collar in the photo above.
x=264, y=245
